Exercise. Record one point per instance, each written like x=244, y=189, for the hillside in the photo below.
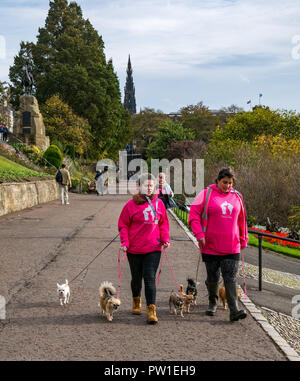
x=11, y=171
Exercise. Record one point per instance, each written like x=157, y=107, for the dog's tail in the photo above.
x=106, y=288
x=67, y=281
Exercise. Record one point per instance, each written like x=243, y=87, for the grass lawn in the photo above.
x=271, y=246
x=10, y=170
x=253, y=241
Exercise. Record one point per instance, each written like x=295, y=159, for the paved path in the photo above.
x=49, y=243
x=275, y=297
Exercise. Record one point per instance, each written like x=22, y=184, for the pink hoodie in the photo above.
x=138, y=231
x=226, y=226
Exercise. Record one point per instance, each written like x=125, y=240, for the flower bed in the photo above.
x=277, y=241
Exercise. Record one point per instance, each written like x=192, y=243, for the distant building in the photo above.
x=129, y=96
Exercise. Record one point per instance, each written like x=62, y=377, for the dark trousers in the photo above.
x=228, y=267
x=144, y=266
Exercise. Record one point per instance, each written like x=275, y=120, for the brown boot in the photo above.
x=136, y=305
x=151, y=314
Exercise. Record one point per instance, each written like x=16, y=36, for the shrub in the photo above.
x=53, y=156
x=70, y=150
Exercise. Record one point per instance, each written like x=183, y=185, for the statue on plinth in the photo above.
x=27, y=78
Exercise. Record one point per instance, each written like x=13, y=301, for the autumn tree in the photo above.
x=199, y=119
x=167, y=133
x=64, y=126
x=145, y=125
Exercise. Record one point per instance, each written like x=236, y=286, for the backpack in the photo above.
x=98, y=175
x=58, y=177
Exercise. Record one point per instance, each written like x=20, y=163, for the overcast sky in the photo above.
x=221, y=52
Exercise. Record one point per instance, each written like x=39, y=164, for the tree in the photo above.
x=199, y=119
x=246, y=126
x=145, y=125
x=5, y=98
x=228, y=112
x=69, y=60
x=63, y=125
x=167, y=133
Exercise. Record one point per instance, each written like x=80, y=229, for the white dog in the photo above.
x=63, y=291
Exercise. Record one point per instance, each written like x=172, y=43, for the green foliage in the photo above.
x=58, y=144
x=54, y=156
x=199, y=119
x=64, y=126
x=69, y=61
x=294, y=218
x=222, y=150
x=145, y=125
x=70, y=150
x=167, y=133
x=246, y=126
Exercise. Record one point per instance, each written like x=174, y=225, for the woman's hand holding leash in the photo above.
x=166, y=245
x=201, y=243
x=124, y=248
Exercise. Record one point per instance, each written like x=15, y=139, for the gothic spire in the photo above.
x=129, y=96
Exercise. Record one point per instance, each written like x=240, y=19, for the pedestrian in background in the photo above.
x=144, y=229
x=5, y=133
x=99, y=181
x=64, y=185
x=218, y=221
x=164, y=191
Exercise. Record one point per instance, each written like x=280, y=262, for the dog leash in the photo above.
x=119, y=261
x=158, y=276
x=244, y=278
x=198, y=268
x=165, y=252
x=95, y=258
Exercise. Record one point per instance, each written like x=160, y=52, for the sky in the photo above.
x=220, y=52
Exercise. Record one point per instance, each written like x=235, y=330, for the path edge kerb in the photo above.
x=288, y=351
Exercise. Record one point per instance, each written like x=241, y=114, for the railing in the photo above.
x=182, y=212
x=260, y=235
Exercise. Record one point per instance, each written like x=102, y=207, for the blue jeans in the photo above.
x=144, y=266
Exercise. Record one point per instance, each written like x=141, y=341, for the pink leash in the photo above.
x=245, y=290
x=119, y=260
x=158, y=277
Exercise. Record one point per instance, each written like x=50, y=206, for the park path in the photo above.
x=49, y=243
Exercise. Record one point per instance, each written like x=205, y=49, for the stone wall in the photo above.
x=18, y=196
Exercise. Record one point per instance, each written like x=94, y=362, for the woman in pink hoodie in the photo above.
x=144, y=229
x=218, y=221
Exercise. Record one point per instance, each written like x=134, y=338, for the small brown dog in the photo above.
x=188, y=299
x=176, y=303
x=222, y=295
x=108, y=303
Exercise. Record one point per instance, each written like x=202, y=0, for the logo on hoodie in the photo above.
x=226, y=206
x=146, y=213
